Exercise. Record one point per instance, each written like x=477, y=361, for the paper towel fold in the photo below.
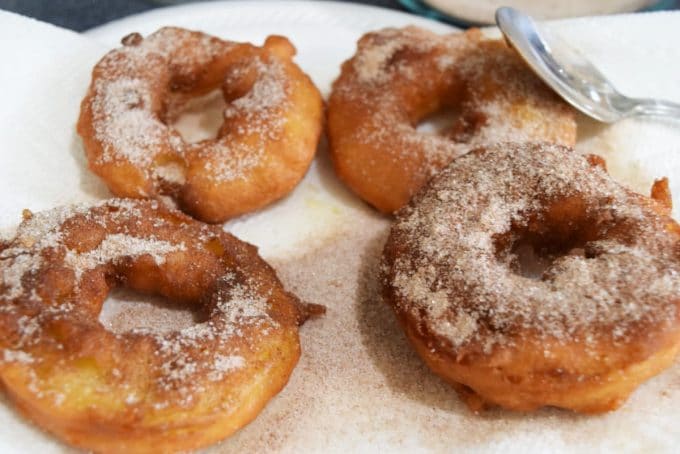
x=45, y=72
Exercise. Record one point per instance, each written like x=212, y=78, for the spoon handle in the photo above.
x=655, y=108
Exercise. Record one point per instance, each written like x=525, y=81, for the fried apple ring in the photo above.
x=525, y=276
x=140, y=391
x=398, y=77
x=272, y=122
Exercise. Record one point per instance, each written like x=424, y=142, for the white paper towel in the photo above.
x=45, y=72
x=43, y=79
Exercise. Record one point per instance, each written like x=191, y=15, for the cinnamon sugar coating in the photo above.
x=524, y=272
x=398, y=77
x=268, y=139
x=139, y=390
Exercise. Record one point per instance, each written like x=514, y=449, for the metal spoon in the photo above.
x=571, y=75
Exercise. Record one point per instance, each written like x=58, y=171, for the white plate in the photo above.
x=359, y=387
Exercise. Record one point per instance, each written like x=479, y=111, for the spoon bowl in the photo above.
x=573, y=76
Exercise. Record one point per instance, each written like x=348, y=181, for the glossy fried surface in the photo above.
x=526, y=277
x=267, y=141
x=399, y=77
x=140, y=391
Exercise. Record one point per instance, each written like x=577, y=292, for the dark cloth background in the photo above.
x=80, y=15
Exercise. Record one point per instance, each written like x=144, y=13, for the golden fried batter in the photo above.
x=398, y=77
x=525, y=276
x=140, y=391
x=271, y=127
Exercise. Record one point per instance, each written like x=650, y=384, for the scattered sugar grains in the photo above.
x=360, y=386
x=125, y=310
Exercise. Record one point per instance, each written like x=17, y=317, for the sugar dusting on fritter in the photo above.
x=451, y=274
x=128, y=105
x=238, y=305
x=124, y=122
x=126, y=114
x=256, y=118
x=504, y=100
x=186, y=356
x=42, y=231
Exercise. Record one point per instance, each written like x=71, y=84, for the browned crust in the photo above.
x=587, y=377
x=398, y=77
x=529, y=382
x=661, y=192
x=73, y=356
x=280, y=155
